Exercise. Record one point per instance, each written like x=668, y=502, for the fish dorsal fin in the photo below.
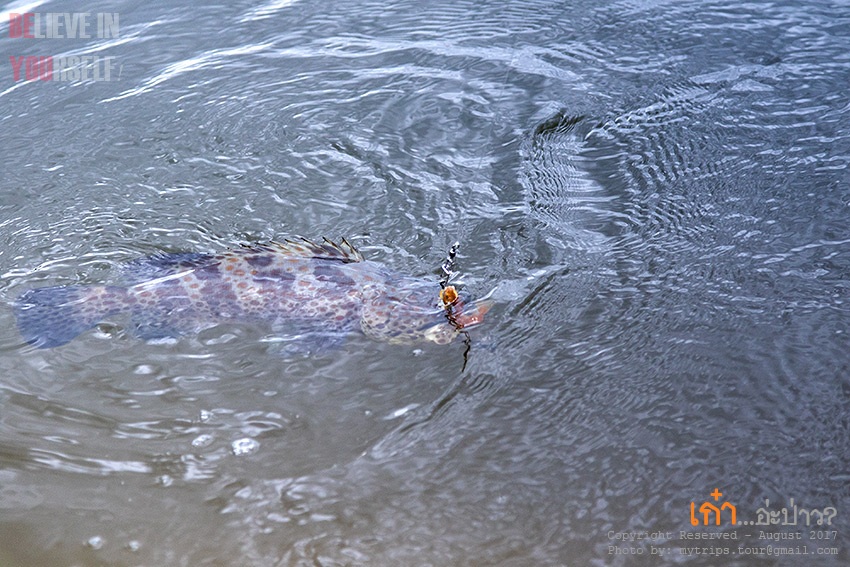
x=299, y=247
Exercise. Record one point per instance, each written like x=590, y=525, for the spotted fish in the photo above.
x=296, y=286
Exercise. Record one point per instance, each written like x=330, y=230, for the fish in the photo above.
x=296, y=286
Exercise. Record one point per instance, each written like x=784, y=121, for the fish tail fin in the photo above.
x=52, y=316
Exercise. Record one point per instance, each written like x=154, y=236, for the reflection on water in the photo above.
x=656, y=193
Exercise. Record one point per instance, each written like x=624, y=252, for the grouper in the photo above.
x=297, y=287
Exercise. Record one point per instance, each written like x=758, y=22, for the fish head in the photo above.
x=413, y=312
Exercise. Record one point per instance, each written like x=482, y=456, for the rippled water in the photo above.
x=657, y=193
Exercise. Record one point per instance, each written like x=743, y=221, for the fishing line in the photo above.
x=448, y=294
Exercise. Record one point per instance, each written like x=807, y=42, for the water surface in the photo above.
x=657, y=193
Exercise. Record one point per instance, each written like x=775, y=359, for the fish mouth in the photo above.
x=466, y=315
x=455, y=318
